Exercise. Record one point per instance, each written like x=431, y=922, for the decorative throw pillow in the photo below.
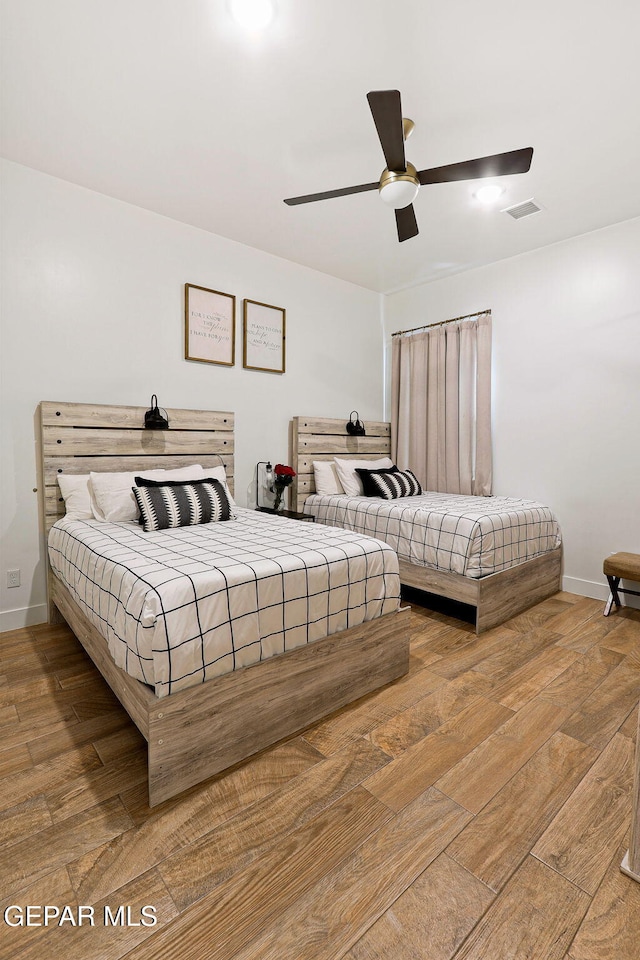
x=350, y=480
x=392, y=485
x=368, y=487
x=175, y=504
x=161, y=478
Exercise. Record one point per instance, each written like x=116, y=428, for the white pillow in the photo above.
x=326, y=478
x=350, y=480
x=77, y=496
x=112, y=497
x=193, y=472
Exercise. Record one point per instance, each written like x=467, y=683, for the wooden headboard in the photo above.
x=318, y=438
x=85, y=437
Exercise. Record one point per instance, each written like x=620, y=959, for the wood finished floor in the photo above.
x=476, y=809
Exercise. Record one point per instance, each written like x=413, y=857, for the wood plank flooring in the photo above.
x=476, y=809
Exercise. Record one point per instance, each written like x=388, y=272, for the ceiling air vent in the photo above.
x=524, y=209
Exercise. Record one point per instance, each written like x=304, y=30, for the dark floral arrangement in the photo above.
x=283, y=478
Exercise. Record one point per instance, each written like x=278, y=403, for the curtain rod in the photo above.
x=441, y=323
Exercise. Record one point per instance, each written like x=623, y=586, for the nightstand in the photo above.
x=290, y=514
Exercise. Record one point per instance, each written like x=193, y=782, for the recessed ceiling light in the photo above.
x=252, y=14
x=489, y=193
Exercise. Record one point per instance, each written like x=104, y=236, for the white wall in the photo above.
x=92, y=311
x=566, y=399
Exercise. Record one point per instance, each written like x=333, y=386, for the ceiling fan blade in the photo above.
x=406, y=223
x=497, y=165
x=387, y=116
x=328, y=194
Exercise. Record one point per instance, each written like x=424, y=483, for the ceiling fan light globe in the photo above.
x=399, y=194
x=399, y=189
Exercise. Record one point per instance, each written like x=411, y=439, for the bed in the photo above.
x=498, y=584
x=279, y=684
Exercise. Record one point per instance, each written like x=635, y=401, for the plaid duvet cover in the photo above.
x=180, y=606
x=472, y=536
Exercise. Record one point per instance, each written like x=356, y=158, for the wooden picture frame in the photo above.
x=209, y=325
x=264, y=337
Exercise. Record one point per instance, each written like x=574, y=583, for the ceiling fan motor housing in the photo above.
x=399, y=188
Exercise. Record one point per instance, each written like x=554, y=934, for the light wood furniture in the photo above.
x=496, y=598
x=617, y=567
x=198, y=732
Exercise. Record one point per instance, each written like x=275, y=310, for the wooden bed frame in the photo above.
x=496, y=598
x=198, y=732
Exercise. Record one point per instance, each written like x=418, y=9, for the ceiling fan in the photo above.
x=400, y=181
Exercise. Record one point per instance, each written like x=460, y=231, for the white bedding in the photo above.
x=180, y=606
x=472, y=536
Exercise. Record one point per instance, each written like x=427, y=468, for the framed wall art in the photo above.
x=264, y=337
x=210, y=325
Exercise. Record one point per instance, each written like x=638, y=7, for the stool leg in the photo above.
x=614, y=597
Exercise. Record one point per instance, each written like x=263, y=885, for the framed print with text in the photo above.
x=263, y=337
x=210, y=325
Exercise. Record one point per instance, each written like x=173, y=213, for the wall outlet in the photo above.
x=13, y=578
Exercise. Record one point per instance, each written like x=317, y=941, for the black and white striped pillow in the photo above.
x=368, y=487
x=392, y=485
x=166, y=505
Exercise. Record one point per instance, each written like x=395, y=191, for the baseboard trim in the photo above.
x=598, y=591
x=625, y=866
x=23, y=617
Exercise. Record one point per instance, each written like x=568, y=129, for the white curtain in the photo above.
x=441, y=405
